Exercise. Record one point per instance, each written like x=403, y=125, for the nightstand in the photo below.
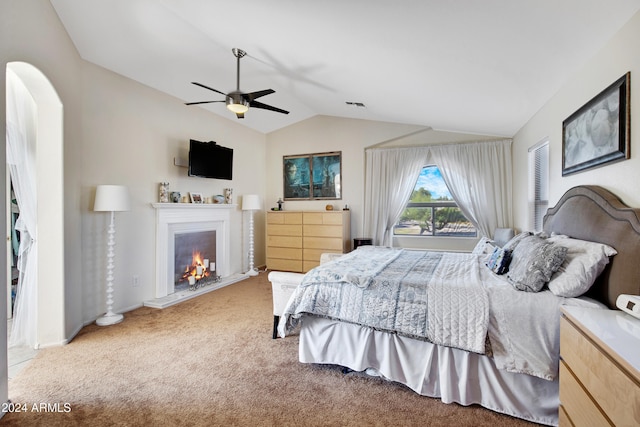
x=599, y=368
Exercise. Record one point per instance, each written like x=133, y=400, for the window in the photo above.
x=538, y=184
x=431, y=210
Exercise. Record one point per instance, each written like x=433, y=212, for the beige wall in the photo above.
x=323, y=134
x=117, y=131
x=613, y=61
x=131, y=135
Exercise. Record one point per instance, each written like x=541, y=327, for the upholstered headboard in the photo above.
x=592, y=213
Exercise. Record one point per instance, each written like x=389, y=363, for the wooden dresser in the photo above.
x=296, y=239
x=599, y=368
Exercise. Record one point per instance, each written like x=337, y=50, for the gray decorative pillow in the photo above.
x=511, y=244
x=533, y=262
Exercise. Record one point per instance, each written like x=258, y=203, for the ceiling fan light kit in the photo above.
x=237, y=101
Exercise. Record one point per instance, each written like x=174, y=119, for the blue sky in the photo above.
x=431, y=179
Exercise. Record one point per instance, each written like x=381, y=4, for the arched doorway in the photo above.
x=47, y=296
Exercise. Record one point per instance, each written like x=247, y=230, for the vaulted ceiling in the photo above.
x=467, y=65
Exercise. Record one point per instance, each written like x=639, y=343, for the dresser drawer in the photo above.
x=616, y=393
x=284, y=264
x=322, y=230
x=285, y=230
x=308, y=265
x=284, y=217
x=563, y=418
x=285, y=241
x=284, y=253
x=578, y=405
x=328, y=243
x=323, y=218
x=315, y=254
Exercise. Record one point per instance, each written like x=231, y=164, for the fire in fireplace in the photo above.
x=195, y=255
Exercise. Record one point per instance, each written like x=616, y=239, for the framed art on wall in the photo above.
x=326, y=170
x=296, y=177
x=315, y=176
x=599, y=132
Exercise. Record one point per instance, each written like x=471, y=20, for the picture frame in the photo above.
x=599, y=132
x=326, y=172
x=316, y=176
x=196, y=197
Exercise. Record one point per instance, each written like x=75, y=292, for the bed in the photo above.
x=512, y=368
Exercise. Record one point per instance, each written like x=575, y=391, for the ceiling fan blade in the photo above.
x=201, y=102
x=207, y=87
x=254, y=95
x=240, y=115
x=257, y=104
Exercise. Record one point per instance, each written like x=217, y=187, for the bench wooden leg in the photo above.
x=276, y=320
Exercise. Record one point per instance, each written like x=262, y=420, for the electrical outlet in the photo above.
x=135, y=280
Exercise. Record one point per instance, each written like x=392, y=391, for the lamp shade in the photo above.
x=112, y=198
x=250, y=202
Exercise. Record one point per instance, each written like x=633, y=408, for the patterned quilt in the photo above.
x=435, y=296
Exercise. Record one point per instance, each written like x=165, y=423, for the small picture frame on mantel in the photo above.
x=196, y=197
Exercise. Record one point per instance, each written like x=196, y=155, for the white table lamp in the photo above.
x=111, y=198
x=251, y=202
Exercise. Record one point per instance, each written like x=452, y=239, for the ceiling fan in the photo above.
x=238, y=101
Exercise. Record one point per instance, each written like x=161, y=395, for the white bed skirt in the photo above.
x=447, y=373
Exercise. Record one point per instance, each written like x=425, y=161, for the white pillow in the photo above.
x=584, y=262
x=483, y=247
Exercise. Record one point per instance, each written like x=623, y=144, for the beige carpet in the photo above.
x=211, y=361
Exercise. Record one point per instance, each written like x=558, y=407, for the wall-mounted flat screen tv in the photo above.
x=210, y=160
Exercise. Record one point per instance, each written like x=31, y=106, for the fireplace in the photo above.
x=207, y=227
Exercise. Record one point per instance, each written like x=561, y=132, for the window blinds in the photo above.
x=538, y=184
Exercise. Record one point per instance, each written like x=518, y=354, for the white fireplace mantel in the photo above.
x=180, y=217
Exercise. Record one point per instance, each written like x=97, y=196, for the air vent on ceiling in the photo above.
x=355, y=104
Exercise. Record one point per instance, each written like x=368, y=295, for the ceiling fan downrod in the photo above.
x=239, y=53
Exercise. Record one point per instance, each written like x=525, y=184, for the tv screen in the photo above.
x=210, y=160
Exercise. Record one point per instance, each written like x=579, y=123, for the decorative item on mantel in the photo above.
x=251, y=202
x=164, y=192
x=111, y=198
x=228, y=196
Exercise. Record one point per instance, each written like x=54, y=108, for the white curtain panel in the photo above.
x=478, y=175
x=21, y=150
x=390, y=177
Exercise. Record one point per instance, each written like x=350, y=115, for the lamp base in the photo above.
x=109, y=319
x=252, y=272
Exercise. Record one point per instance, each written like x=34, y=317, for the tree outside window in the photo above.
x=431, y=210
